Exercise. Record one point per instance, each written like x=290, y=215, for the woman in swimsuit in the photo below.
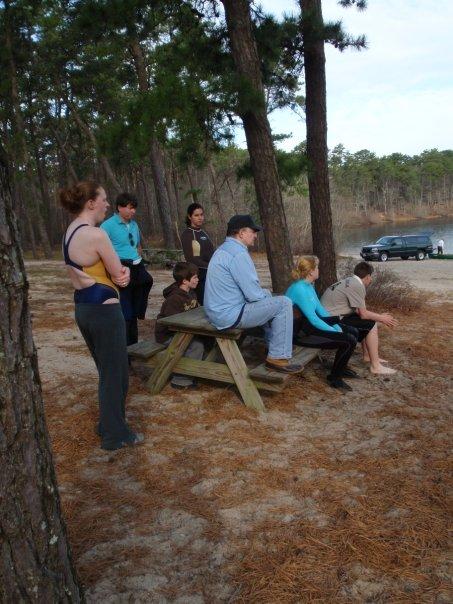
x=197, y=247
x=95, y=271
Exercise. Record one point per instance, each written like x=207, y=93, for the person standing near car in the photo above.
x=124, y=234
x=440, y=246
x=197, y=246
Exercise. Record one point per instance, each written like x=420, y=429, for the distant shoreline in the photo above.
x=376, y=218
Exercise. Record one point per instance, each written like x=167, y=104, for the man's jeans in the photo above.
x=275, y=315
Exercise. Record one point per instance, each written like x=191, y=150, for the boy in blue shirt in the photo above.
x=124, y=234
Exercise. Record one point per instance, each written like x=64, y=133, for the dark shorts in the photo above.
x=363, y=326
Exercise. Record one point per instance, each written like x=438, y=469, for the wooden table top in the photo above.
x=195, y=321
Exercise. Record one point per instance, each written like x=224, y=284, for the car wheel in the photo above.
x=404, y=257
x=420, y=255
x=383, y=257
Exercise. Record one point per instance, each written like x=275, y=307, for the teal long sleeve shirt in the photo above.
x=303, y=295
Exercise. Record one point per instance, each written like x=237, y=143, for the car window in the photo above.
x=397, y=241
x=384, y=240
x=414, y=240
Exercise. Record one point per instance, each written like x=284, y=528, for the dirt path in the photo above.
x=324, y=497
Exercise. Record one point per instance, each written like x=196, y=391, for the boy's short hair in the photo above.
x=363, y=269
x=124, y=199
x=184, y=271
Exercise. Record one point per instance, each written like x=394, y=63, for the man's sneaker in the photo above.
x=339, y=383
x=284, y=365
x=132, y=441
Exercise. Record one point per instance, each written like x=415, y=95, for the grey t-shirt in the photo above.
x=344, y=297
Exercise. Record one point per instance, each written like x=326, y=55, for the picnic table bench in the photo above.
x=233, y=370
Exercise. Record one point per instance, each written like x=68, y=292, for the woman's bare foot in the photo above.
x=382, y=370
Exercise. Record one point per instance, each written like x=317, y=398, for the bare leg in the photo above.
x=372, y=347
x=366, y=354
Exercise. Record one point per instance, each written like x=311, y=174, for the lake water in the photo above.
x=351, y=240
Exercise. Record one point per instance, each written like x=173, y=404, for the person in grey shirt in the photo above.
x=346, y=299
x=234, y=297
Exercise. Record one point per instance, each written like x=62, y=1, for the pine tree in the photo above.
x=35, y=559
x=314, y=34
x=252, y=111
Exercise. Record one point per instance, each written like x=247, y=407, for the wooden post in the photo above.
x=174, y=352
x=239, y=371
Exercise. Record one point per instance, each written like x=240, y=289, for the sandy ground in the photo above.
x=435, y=276
x=323, y=498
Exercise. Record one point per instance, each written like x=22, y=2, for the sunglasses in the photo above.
x=131, y=240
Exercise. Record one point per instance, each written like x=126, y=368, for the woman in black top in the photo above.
x=197, y=246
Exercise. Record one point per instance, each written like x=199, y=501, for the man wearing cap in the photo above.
x=234, y=297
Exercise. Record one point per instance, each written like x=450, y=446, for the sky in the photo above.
x=396, y=96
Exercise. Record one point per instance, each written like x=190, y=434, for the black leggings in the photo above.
x=345, y=343
x=363, y=326
x=134, y=298
x=102, y=327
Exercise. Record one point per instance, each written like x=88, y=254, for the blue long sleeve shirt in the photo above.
x=303, y=294
x=231, y=282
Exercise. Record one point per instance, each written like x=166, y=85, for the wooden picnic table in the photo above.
x=232, y=370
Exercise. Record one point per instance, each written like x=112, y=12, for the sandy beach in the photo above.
x=324, y=497
x=431, y=275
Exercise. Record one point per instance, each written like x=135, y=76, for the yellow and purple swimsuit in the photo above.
x=104, y=288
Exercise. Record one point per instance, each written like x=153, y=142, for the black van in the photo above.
x=402, y=246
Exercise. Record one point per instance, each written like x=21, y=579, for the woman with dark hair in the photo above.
x=197, y=247
x=95, y=271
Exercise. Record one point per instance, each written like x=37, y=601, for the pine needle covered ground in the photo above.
x=323, y=498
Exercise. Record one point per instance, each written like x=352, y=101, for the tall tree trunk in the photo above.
x=171, y=196
x=156, y=155
x=35, y=560
x=316, y=120
x=45, y=209
x=259, y=142
x=232, y=195
x=175, y=183
x=216, y=194
x=31, y=234
x=22, y=154
x=26, y=221
x=69, y=166
x=148, y=197
x=193, y=188
x=105, y=164
x=160, y=187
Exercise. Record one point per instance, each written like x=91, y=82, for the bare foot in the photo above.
x=382, y=370
x=368, y=360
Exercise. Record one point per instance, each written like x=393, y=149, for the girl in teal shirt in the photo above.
x=314, y=327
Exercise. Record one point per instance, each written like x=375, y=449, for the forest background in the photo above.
x=147, y=96
x=143, y=97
